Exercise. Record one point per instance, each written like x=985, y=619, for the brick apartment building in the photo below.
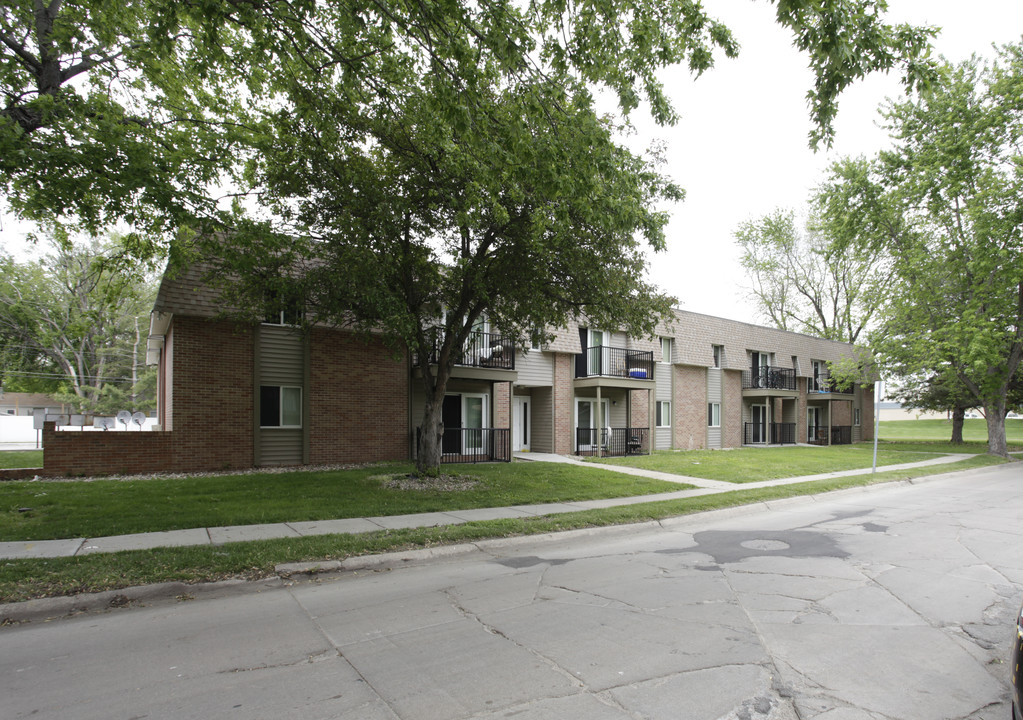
x=233, y=396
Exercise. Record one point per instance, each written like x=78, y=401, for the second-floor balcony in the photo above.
x=824, y=383
x=606, y=361
x=481, y=349
x=769, y=377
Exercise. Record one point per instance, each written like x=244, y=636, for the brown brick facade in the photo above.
x=358, y=400
x=689, y=403
x=563, y=398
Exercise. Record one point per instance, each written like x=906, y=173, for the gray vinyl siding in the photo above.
x=280, y=446
x=714, y=396
x=662, y=392
x=535, y=369
x=542, y=437
x=282, y=362
x=281, y=356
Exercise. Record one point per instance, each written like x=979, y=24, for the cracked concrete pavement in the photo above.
x=889, y=603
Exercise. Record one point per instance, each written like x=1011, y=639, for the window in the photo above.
x=714, y=414
x=282, y=308
x=856, y=417
x=663, y=413
x=719, y=355
x=666, y=350
x=280, y=406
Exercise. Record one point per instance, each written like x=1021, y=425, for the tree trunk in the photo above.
x=958, y=418
x=996, y=444
x=431, y=436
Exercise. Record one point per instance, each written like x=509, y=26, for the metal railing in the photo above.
x=606, y=361
x=824, y=383
x=473, y=445
x=481, y=349
x=769, y=434
x=769, y=378
x=835, y=435
x=614, y=442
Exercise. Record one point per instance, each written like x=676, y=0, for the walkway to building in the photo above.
x=219, y=535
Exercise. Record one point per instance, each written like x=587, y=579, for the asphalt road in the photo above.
x=895, y=602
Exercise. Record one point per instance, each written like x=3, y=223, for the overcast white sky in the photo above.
x=741, y=149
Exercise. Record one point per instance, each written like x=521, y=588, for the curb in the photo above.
x=49, y=609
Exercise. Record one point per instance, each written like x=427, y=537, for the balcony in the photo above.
x=769, y=434
x=835, y=435
x=481, y=350
x=614, y=442
x=768, y=377
x=474, y=445
x=824, y=383
x=606, y=361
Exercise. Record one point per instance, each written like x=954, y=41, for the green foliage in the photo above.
x=79, y=319
x=134, y=110
x=947, y=202
x=801, y=281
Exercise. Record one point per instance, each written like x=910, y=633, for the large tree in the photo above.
x=947, y=202
x=801, y=281
x=77, y=312
x=438, y=161
x=136, y=110
x=475, y=182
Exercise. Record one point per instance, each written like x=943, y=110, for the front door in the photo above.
x=520, y=427
x=586, y=423
x=465, y=417
x=813, y=422
x=451, y=415
x=760, y=420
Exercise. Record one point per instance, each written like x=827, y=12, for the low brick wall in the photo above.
x=116, y=453
x=19, y=473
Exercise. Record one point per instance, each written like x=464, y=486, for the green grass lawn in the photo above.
x=35, y=578
x=21, y=459
x=47, y=510
x=744, y=465
x=974, y=431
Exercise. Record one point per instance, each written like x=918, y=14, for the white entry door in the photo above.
x=521, y=424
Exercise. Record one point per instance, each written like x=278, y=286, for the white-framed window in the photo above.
x=666, y=350
x=663, y=413
x=714, y=415
x=856, y=417
x=719, y=355
x=280, y=406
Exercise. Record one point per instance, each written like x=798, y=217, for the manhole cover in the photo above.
x=765, y=545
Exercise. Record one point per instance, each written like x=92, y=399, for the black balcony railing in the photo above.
x=474, y=445
x=824, y=383
x=613, y=442
x=769, y=434
x=769, y=378
x=606, y=361
x=481, y=349
x=835, y=435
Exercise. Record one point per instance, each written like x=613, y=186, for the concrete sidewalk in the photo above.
x=219, y=535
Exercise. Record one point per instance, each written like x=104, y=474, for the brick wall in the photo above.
x=358, y=400
x=563, y=397
x=690, y=407
x=212, y=372
x=502, y=405
x=731, y=408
